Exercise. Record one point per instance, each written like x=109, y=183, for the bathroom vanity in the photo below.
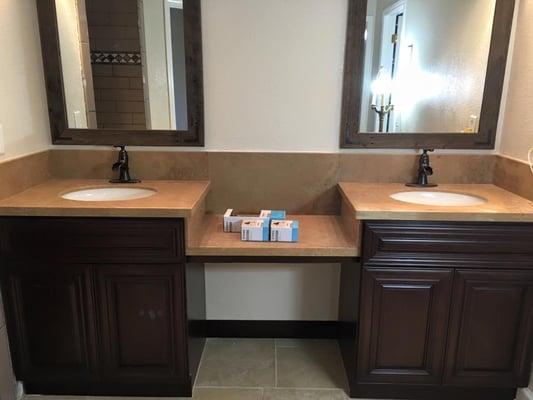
x=108, y=298
x=439, y=309
x=104, y=304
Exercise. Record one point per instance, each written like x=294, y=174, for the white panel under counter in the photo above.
x=297, y=292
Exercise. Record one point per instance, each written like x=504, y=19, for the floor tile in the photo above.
x=303, y=394
x=227, y=394
x=307, y=343
x=311, y=364
x=237, y=363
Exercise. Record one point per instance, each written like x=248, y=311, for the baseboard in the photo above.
x=428, y=392
x=272, y=329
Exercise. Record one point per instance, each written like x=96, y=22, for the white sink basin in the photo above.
x=438, y=198
x=109, y=194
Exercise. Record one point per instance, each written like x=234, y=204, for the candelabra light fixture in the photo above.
x=381, y=99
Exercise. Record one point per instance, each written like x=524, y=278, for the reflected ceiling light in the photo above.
x=414, y=84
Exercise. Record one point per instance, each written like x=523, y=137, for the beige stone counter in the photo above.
x=176, y=199
x=373, y=201
x=320, y=236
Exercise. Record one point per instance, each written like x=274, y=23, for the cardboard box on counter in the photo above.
x=284, y=231
x=255, y=230
x=233, y=222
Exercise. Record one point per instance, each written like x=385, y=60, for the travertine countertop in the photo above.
x=175, y=199
x=373, y=201
x=320, y=236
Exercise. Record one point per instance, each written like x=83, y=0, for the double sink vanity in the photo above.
x=104, y=290
x=104, y=283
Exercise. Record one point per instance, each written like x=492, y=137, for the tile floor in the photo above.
x=270, y=369
x=264, y=369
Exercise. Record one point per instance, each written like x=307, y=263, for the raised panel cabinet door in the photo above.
x=50, y=318
x=403, y=324
x=490, y=328
x=143, y=326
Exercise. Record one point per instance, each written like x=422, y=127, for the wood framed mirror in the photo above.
x=123, y=71
x=424, y=73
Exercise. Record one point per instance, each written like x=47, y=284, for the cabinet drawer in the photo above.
x=437, y=244
x=93, y=239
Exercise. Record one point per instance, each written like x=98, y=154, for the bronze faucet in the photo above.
x=123, y=167
x=424, y=170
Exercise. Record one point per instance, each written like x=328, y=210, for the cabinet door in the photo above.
x=143, y=323
x=404, y=317
x=490, y=328
x=50, y=318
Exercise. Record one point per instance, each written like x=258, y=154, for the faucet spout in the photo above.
x=122, y=165
x=424, y=170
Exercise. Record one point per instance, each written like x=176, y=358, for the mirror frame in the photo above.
x=350, y=135
x=57, y=110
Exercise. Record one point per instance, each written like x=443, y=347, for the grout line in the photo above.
x=324, y=389
x=275, y=363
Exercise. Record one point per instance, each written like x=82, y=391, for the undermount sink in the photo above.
x=435, y=198
x=109, y=194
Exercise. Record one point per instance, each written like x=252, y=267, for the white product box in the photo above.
x=254, y=230
x=232, y=222
x=284, y=231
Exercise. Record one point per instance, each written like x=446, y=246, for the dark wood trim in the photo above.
x=272, y=329
x=269, y=259
x=196, y=314
x=57, y=110
x=432, y=244
x=350, y=135
x=349, y=300
x=136, y=389
x=429, y=392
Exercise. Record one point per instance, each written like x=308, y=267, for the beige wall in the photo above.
x=273, y=74
x=23, y=110
x=517, y=135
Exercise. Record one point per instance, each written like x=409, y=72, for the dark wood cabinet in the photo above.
x=142, y=319
x=98, y=306
x=404, y=315
x=52, y=327
x=445, y=311
x=490, y=328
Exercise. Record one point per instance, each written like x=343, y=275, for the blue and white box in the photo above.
x=284, y=231
x=253, y=230
x=273, y=214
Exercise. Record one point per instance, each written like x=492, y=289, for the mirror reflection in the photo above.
x=425, y=65
x=123, y=64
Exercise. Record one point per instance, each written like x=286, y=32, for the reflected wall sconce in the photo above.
x=382, y=91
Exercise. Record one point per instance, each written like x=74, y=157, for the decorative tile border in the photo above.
x=114, y=57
